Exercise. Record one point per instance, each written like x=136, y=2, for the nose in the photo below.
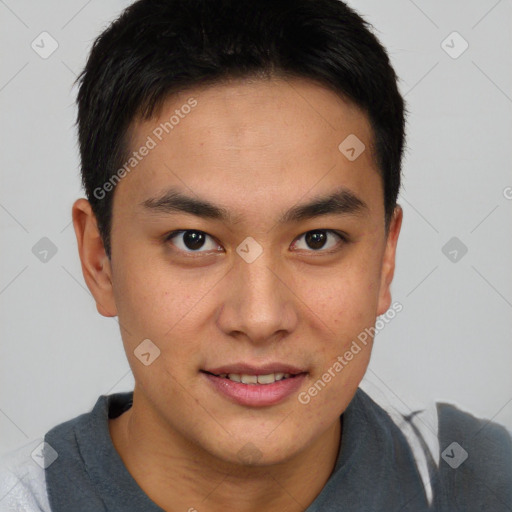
x=258, y=303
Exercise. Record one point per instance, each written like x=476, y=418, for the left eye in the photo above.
x=317, y=239
x=192, y=240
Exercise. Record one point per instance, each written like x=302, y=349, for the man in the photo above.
x=241, y=161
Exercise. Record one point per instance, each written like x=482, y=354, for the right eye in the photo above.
x=190, y=240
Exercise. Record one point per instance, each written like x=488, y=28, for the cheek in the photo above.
x=333, y=386
x=152, y=311
x=146, y=297
x=346, y=298
x=166, y=306
x=344, y=306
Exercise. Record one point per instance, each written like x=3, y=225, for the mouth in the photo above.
x=251, y=379
x=255, y=386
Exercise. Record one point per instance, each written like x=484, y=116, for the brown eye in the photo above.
x=191, y=240
x=318, y=240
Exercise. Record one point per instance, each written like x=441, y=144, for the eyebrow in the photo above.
x=340, y=202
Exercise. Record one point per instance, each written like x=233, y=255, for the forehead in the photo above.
x=251, y=141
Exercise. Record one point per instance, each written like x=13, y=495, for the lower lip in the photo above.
x=256, y=395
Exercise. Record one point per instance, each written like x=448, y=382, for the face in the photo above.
x=242, y=278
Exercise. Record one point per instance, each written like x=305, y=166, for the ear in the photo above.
x=388, y=261
x=96, y=266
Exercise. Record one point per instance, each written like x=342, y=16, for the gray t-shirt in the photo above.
x=375, y=470
x=469, y=469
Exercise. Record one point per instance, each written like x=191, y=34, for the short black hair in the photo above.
x=159, y=47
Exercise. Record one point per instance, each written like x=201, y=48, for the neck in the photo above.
x=179, y=475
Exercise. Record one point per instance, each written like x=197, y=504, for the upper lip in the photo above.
x=249, y=369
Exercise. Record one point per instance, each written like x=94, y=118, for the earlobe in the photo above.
x=96, y=267
x=388, y=261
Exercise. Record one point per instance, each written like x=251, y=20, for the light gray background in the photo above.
x=451, y=341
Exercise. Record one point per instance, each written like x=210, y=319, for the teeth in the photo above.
x=256, y=379
x=249, y=379
x=266, y=379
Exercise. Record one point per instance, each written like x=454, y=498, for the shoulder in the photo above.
x=464, y=461
x=476, y=468
x=25, y=471
x=22, y=479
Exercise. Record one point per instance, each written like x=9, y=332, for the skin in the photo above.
x=257, y=148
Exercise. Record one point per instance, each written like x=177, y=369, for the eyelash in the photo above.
x=344, y=239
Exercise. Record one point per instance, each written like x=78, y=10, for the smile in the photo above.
x=244, y=378
x=255, y=389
